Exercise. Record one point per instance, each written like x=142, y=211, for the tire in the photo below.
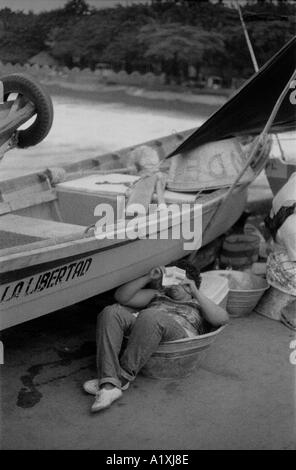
x=24, y=85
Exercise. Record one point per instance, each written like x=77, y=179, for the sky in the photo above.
x=42, y=5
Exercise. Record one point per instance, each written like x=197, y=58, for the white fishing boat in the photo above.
x=56, y=246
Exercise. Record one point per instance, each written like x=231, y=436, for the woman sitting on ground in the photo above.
x=148, y=314
x=281, y=262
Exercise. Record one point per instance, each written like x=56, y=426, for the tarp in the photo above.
x=247, y=112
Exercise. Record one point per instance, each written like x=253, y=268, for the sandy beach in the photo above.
x=88, y=123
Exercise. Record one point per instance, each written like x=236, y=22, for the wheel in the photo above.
x=32, y=91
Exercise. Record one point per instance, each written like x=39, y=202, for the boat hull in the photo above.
x=40, y=287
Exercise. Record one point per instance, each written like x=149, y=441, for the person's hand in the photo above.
x=156, y=273
x=190, y=286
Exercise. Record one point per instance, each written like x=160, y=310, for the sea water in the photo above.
x=83, y=128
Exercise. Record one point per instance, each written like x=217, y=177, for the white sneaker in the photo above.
x=105, y=397
x=92, y=386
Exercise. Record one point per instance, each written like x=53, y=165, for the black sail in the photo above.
x=248, y=109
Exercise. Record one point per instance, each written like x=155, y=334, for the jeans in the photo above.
x=145, y=332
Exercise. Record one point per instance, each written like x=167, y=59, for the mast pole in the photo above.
x=259, y=141
x=254, y=60
x=251, y=50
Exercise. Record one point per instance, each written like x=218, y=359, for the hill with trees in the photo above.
x=162, y=36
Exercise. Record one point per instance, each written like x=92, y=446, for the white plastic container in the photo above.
x=215, y=287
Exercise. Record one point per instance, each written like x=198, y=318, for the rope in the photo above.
x=283, y=158
x=260, y=140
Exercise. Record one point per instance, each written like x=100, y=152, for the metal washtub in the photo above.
x=177, y=359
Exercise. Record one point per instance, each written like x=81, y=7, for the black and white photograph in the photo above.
x=147, y=227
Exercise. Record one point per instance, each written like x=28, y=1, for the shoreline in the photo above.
x=259, y=192
x=171, y=102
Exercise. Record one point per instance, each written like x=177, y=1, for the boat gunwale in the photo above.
x=69, y=246
x=94, y=163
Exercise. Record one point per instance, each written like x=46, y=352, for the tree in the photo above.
x=177, y=46
x=124, y=49
x=267, y=37
x=76, y=8
x=20, y=36
x=166, y=35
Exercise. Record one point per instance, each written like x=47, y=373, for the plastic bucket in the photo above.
x=215, y=287
x=239, y=250
x=245, y=291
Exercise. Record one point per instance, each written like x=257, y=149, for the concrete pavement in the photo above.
x=243, y=397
